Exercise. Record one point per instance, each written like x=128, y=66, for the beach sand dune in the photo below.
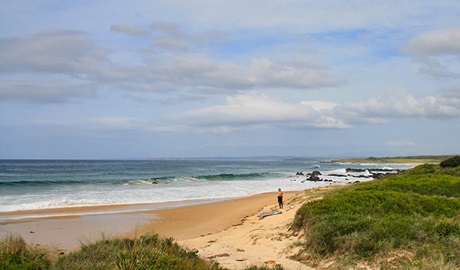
x=232, y=234
x=253, y=241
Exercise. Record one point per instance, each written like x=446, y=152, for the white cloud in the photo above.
x=61, y=52
x=201, y=72
x=55, y=91
x=437, y=52
x=382, y=110
x=255, y=110
x=73, y=58
x=439, y=42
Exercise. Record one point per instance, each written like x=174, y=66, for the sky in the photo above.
x=166, y=79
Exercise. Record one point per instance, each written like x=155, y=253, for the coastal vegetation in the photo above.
x=15, y=254
x=425, y=159
x=409, y=221
x=145, y=252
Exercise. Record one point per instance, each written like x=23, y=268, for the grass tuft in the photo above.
x=15, y=254
x=145, y=252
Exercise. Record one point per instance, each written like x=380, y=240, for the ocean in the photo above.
x=45, y=184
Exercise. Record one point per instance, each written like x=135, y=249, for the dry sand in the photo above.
x=228, y=232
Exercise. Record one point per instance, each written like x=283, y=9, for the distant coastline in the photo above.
x=424, y=159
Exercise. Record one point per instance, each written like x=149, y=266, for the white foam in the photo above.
x=135, y=194
x=170, y=190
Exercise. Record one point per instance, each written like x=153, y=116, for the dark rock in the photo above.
x=354, y=170
x=316, y=173
x=313, y=178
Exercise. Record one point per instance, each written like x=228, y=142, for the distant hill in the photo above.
x=427, y=159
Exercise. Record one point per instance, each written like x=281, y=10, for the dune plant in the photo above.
x=145, y=252
x=15, y=254
x=450, y=162
x=414, y=212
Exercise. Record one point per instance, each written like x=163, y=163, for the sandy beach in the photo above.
x=229, y=232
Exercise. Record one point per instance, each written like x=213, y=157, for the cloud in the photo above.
x=56, y=91
x=201, y=72
x=255, y=110
x=129, y=29
x=51, y=67
x=170, y=36
x=382, y=110
x=433, y=43
x=51, y=52
x=173, y=64
x=437, y=52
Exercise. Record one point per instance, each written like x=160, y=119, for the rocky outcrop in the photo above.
x=350, y=173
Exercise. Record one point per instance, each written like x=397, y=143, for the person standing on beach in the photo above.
x=280, y=198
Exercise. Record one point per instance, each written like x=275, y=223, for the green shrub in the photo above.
x=418, y=210
x=433, y=169
x=15, y=254
x=423, y=184
x=450, y=162
x=146, y=252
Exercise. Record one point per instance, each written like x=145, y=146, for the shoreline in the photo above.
x=23, y=216
x=67, y=228
x=199, y=220
x=228, y=232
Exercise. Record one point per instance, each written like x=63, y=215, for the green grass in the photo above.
x=145, y=252
x=416, y=212
x=15, y=254
x=408, y=221
x=402, y=159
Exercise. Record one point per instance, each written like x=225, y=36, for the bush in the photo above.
x=15, y=254
x=417, y=211
x=146, y=252
x=428, y=184
x=450, y=162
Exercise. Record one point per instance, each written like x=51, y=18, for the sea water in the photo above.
x=45, y=184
